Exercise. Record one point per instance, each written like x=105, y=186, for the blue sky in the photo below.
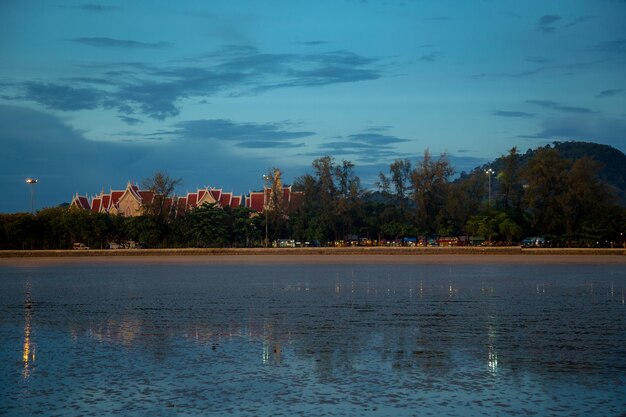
x=217, y=92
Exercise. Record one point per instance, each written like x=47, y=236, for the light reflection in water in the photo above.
x=357, y=337
x=28, y=349
x=492, y=354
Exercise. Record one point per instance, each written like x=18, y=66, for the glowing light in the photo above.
x=28, y=349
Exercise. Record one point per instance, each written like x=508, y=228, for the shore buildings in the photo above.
x=132, y=200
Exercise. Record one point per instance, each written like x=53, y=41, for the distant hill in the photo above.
x=612, y=160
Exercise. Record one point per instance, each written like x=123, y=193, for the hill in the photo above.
x=612, y=161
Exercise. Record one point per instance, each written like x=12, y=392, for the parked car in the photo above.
x=533, y=242
x=80, y=246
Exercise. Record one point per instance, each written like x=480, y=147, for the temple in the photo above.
x=133, y=201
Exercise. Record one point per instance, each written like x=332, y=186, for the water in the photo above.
x=325, y=340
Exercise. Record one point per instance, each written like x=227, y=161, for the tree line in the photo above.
x=563, y=200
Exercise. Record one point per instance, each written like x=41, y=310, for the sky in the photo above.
x=93, y=95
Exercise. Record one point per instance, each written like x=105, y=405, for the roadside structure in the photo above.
x=132, y=201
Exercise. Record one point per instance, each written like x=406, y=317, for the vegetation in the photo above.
x=541, y=193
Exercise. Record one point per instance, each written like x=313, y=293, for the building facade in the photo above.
x=132, y=201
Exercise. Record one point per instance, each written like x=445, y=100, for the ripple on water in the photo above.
x=315, y=340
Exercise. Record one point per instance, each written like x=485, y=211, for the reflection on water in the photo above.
x=28, y=350
x=318, y=340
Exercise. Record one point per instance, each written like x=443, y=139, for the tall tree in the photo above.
x=347, y=206
x=585, y=197
x=546, y=177
x=163, y=186
x=465, y=199
x=324, y=172
x=509, y=182
x=400, y=179
x=429, y=181
x=275, y=204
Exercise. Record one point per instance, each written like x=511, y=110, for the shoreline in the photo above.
x=314, y=256
x=372, y=250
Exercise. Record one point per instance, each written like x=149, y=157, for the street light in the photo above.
x=32, y=182
x=489, y=172
x=266, y=178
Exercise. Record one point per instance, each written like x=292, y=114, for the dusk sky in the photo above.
x=217, y=92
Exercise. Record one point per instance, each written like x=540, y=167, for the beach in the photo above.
x=328, y=256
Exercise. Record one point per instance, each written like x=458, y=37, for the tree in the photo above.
x=245, y=226
x=465, y=199
x=429, y=182
x=348, y=203
x=400, y=179
x=508, y=228
x=163, y=186
x=324, y=170
x=546, y=177
x=304, y=218
x=210, y=225
x=586, y=198
x=275, y=204
x=509, y=180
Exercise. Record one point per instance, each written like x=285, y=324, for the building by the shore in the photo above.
x=132, y=201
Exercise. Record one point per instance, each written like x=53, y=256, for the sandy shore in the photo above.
x=313, y=256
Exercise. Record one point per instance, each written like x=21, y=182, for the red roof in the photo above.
x=82, y=202
x=96, y=204
x=201, y=194
x=235, y=201
x=181, y=205
x=225, y=199
x=216, y=194
x=192, y=200
x=286, y=193
x=106, y=202
x=115, y=196
x=146, y=196
x=256, y=201
x=167, y=204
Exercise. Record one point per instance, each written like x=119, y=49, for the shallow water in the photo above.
x=327, y=340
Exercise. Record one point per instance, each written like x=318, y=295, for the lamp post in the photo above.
x=32, y=182
x=266, y=178
x=489, y=172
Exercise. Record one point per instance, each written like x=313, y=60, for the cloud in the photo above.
x=246, y=135
x=62, y=97
x=609, y=93
x=546, y=22
x=369, y=147
x=312, y=43
x=519, y=74
x=537, y=59
x=547, y=104
x=590, y=128
x=130, y=120
x=268, y=144
x=97, y=8
x=39, y=145
x=156, y=92
x=520, y=114
x=377, y=129
x=121, y=43
x=580, y=20
x=430, y=57
x=616, y=46
x=35, y=144
x=376, y=139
